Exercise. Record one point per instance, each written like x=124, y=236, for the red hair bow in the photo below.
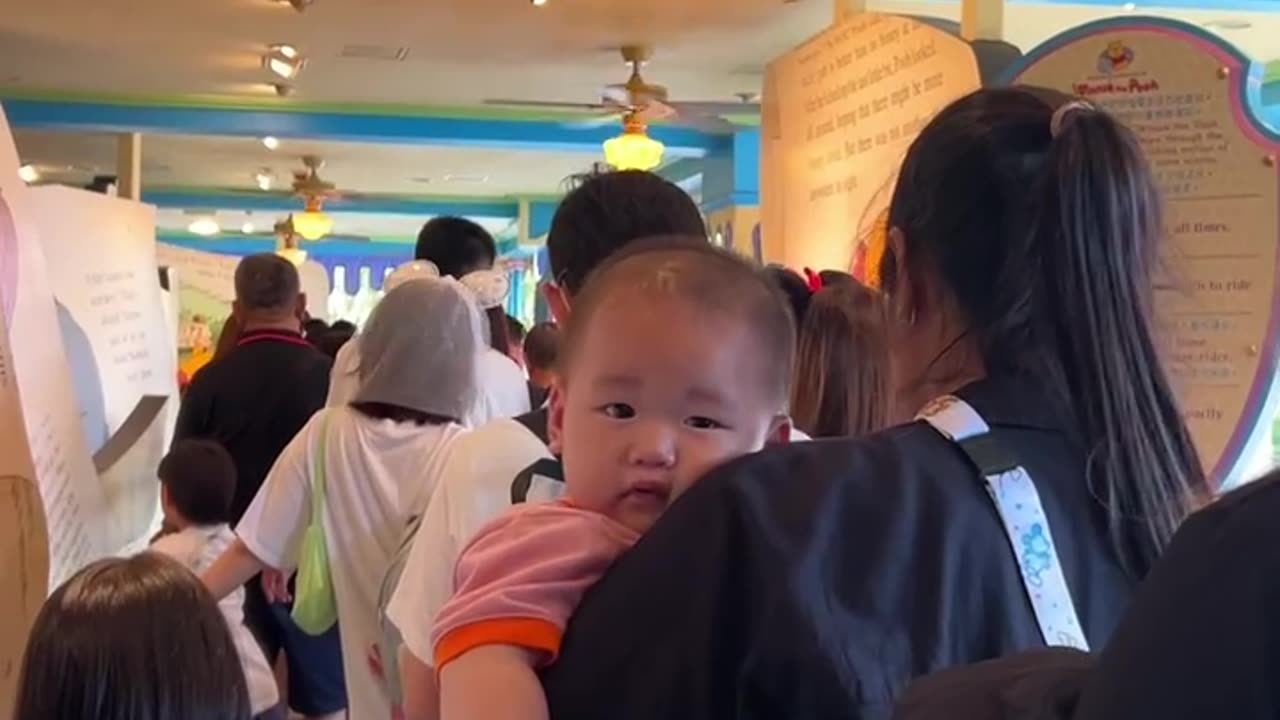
x=814, y=279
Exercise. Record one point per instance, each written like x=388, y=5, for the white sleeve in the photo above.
x=273, y=526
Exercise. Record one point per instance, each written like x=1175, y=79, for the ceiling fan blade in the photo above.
x=716, y=108
x=616, y=94
x=705, y=123
x=545, y=104
x=607, y=118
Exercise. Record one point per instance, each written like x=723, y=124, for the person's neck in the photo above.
x=290, y=325
x=957, y=365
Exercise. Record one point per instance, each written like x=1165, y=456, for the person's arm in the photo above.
x=467, y=686
x=517, y=584
x=421, y=691
x=233, y=568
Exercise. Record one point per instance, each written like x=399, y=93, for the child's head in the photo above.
x=131, y=639
x=541, y=347
x=841, y=386
x=197, y=484
x=677, y=357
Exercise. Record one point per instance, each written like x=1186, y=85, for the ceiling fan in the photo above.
x=639, y=101
x=312, y=223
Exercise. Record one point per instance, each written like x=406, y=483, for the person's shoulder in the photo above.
x=502, y=436
x=558, y=525
x=182, y=546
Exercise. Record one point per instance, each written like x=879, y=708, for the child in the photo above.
x=680, y=359
x=197, y=483
x=130, y=639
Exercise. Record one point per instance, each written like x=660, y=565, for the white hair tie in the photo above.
x=1059, y=119
x=410, y=271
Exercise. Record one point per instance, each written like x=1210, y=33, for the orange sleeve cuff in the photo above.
x=529, y=633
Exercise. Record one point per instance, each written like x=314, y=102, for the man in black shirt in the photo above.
x=253, y=402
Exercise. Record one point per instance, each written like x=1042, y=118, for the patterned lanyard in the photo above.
x=1025, y=523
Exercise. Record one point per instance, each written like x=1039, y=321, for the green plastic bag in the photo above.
x=315, y=609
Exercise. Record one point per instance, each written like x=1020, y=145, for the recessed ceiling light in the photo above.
x=284, y=60
x=204, y=226
x=271, y=142
x=28, y=173
x=1130, y=7
x=247, y=228
x=264, y=179
x=299, y=5
x=538, y=3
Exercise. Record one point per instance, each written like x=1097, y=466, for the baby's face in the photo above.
x=658, y=392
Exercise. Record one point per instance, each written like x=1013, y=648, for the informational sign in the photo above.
x=74, y=504
x=1186, y=96
x=206, y=287
x=116, y=339
x=24, y=541
x=839, y=114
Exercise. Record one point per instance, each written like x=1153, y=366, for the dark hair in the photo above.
x=456, y=245
x=609, y=210
x=841, y=386
x=707, y=277
x=794, y=288
x=515, y=331
x=313, y=330
x=201, y=479
x=131, y=639
x=337, y=336
x=541, y=346
x=1048, y=244
x=499, y=338
x=267, y=282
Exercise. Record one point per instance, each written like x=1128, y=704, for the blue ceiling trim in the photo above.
x=250, y=244
x=465, y=132
x=371, y=204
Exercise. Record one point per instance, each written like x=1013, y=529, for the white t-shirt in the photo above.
x=475, y=487
x=378, y=475
x=503, y=390
x=196, y=548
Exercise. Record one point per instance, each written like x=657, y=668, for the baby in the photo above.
x=677, y=358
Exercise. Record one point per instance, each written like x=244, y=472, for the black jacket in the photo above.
x=253, y=401
x=816, y=580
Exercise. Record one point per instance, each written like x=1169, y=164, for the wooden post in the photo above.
x=982, y=19
x=129, y=166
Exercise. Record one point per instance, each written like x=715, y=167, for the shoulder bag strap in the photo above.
x=319, y=475
x=1017, y=502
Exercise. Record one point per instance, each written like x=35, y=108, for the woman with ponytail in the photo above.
x=1048, y=469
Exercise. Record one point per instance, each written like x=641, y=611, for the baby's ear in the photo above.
x=555, y=420
x=779, y=431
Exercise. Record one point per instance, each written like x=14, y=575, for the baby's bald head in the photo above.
x=710, y=282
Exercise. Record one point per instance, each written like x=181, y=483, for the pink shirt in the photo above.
x=522, y=576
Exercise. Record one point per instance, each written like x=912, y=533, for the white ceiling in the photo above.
x=458, y=53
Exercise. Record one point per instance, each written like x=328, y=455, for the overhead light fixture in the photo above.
x=28, y=173
x=271, y=142
x=204, y=226
x=312, y=223
x=284, y=60
x=1130, y=7
x=538, y=3
x=295, y=255
x=264, y=179
x=281, y=89
x=633, y=149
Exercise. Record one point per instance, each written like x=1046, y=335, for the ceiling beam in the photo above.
x=541, y=210
x=544, y=135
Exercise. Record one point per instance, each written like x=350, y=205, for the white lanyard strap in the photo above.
x=1018, y=504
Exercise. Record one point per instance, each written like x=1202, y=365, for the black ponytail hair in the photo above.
x=1048, y=246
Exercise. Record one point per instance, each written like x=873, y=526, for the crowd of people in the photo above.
x=707, y=489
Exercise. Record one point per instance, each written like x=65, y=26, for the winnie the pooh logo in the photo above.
x=1116, y=58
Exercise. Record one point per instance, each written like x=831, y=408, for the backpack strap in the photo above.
x=1017, y=502
x=545, y=468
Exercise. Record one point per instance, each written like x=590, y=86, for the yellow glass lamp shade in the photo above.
x=633, y=150
x=312, y=224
